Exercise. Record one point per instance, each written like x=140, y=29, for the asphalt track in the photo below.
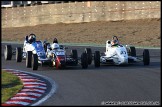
x=104, y=85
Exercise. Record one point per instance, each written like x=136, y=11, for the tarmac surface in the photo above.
x=106, y=85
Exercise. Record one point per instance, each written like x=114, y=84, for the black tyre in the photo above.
x=8, y=52
x=89, y=55
x=97, y=58
x=132, y=51
x=45, y=46
x=74, y=55
x=35, y=62
x=146, y=57
x=29, y=59
x=61, y=47
x=18, y=54
x=84, y=60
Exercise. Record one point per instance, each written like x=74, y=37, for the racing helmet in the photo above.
x=55, y=46
x=32, y=38
x=55, y=40
x=114, y=42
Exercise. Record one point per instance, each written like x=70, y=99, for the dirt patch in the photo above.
x=140, y=32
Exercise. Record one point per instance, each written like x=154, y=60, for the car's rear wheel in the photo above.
x=74, y=55
x=84, y=60
x=8, y=52
x=97, y=58
x=18, y=54
x=89, y=55
x=132, y=51
x=29, y=59
x=146, y=57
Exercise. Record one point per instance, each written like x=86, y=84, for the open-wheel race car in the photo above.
x=118, y=54
x=35, y=54
x=32, y=51
x=59, y=58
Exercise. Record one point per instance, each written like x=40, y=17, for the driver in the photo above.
x=55, y=44
x=32, y=38
x=114, y=42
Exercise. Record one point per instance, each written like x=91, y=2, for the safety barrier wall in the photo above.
x=76, y=12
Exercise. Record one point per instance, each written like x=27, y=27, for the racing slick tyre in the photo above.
x=18, y=54
x=84, y=60
x=74, y=55
x=89, y=55
x=29, y=59
x=35, y=62
x=8, y=52
x=45, y=46
x=61, y=47
x=132, y=51
x=146, y=57
x=97, y=58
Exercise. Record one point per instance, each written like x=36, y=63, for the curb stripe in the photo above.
x=21, y=95
x=35, y=87
x=17, y=102
x=33, y=83
x=35, y=90
x=32, y=80
x=11, y=105
x=26, y=77
x=26, y=98
x=29, y=93
x=22, y=98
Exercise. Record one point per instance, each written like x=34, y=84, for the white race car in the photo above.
x=33, y=52
x=119, y=54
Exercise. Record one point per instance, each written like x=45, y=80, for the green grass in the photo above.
x=10, y=84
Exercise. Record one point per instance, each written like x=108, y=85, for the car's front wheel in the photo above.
x=8, y=52
x=18, y=54
x=35, y=62
x=29, y=59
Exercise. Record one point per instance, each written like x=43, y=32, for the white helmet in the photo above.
x=55, y=46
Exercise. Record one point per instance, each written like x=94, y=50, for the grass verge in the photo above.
x=11, y=84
